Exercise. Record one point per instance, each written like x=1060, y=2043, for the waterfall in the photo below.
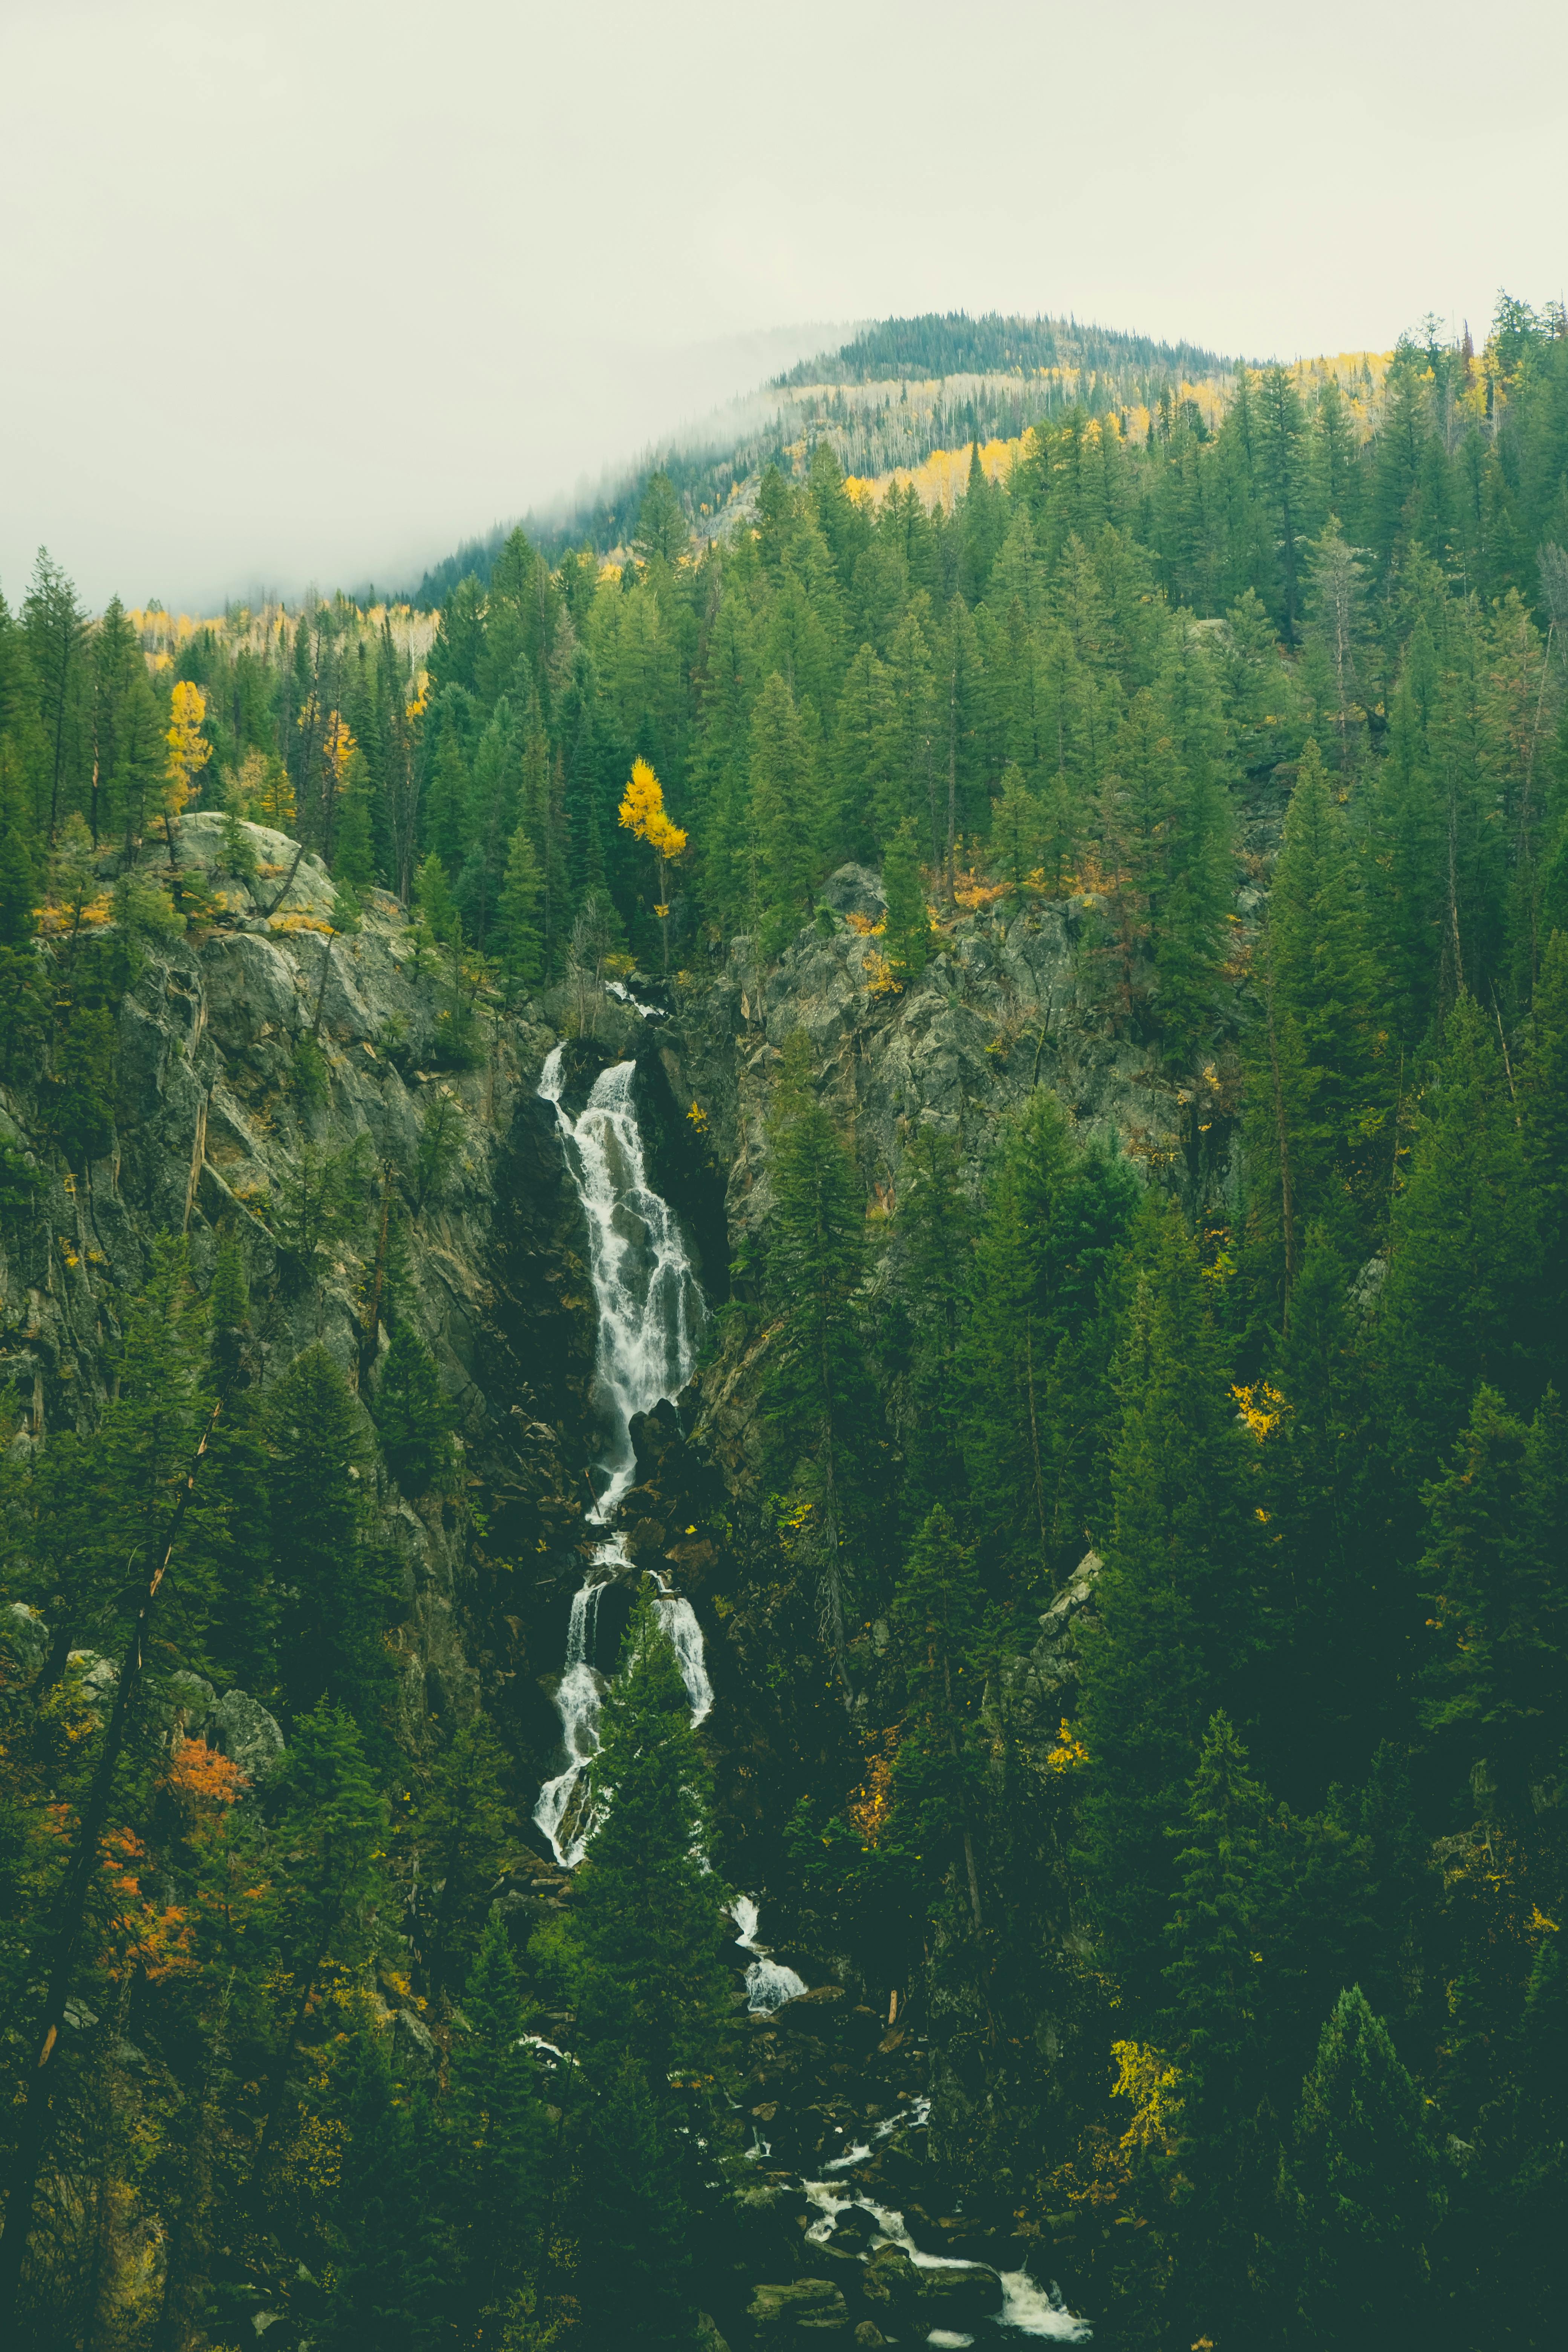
x=651, y=1314
x=769, y=1982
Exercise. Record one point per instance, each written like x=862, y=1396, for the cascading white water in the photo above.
x=651, y=1315
x=769, y=1983
x=1027, y=2309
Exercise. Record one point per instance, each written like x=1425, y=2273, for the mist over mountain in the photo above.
x=890, y=395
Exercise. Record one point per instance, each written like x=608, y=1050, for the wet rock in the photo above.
x=954, y=2295
x=706, y=2337
x=805, y=2012
x=891, y=2282
x=755, y=2235
x=855, y=2228
x=803, y=2311
x=247, y=1734
x=868, y=2332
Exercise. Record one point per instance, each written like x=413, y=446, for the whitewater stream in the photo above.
x=651, y=1315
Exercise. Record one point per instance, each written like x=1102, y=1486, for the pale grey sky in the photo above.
x=310, y=290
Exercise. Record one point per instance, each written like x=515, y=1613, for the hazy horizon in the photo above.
x=316, y=296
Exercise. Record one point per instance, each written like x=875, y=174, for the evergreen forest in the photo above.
x=868, y=1166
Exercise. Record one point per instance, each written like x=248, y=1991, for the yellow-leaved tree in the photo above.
x=188, y=751
x=642, y=811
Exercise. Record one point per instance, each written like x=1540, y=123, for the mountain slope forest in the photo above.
x=894, y=394
x=783, y=1330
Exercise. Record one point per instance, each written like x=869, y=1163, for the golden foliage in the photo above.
x=337, y=748
x=642, y=813
x=864, y=928
x=973, y=892
x=879, y=976
x=188, y=753
x=871, y=1807
x=1146, y=2076
x=1261, y=1407
x=1069, y=1754
x=698, y=1118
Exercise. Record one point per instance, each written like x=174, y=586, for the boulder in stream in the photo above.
x=959, y=2294
x=808, y=2308
x=891, y=2282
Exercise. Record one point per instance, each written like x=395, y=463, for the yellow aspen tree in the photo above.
x=642, y=813
x=188, y=751
x=337, y=748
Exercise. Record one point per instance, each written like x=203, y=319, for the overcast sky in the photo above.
x=308, y=290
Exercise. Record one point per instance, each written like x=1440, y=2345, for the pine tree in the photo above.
x=1544, y=1097
x=907, y=762
x=785, y=821
x=387, y=2292
x=498, y=2183
x=815, y=1386
x=645, y=1922
x=463, y=1831
x=1494, y=1577
x=1168, y=838
x=634, y=2232
x=337, y=1593
x=491, y=818
x=1321, y=1086
x=934, y=1236
x=519, y=939
x=55, y=626
x=1017, y=828
x=412, y=1416
x=21, y=981
x=1039, y=1411
x=1227, y=2152
x=1176, y=1599
x=1327, y=1537
x=908, y=920
x=663, y=532
x=1365, y=2188
x=433, y=896
x=859, y=751
x=940, y=1772
x=1455, y=1309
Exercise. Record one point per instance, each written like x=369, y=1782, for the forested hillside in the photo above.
x=896, y=392
x=883, y=1194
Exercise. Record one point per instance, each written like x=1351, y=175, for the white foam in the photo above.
x=651, y=1315
x=769, y=1984
x=1026, y=2309
x=1032, y=2310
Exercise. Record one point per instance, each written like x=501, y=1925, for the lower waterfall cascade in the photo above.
x=651, y=1315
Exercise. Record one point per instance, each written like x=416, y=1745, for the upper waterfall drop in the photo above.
x=651, y=1308
x=651, y=1318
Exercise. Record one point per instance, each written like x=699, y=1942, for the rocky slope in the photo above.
x=216, y=1115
